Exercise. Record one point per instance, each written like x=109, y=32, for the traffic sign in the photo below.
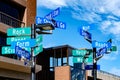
x=86, y=34
x=24, y=43
x=12, y=39
x=90, y=67
x=114, y=48
x=77, y=59
x=101, y=44
x=39, y=39
x=38, y=49
x=80, y=60
x=19, y=31
x=101, y=51
x=22, y=52
x=79, y=52
x=40, y=20
x=57, y=24
x=89, y=60
x=53, y=14
x=61, y=25
x=9, y=50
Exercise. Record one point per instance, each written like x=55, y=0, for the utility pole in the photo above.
x=94, y=64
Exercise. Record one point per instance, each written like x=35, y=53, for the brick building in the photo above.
x=15, y=14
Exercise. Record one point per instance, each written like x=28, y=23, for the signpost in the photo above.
x=90, y=67
x=80, y=60
x=19, y=31
x=9, y=50
x=61, y=25
x=38, y=49
x=85, y=34
x=79, y=52
x=24, y=43
x=40, y=20
x=57, y=24
x=101, y=51
x=101, y=44
x=22, y=52
x=53, y=14
x=15, y=39
x=39, y=39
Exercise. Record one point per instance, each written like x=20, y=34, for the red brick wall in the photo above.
x=62, y=73
x=30, y=12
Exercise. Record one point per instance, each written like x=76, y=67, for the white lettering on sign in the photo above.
x=101, y=44
x=55, y=13
x=46, y=21
x=17, y=39
x=23, y=44
x=18, y=32
x=79, y=59
x=62, y=25
x=39, y=20
x=8, y=50
x=80, y=52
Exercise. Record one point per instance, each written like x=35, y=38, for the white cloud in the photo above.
x=109, y=57
x=51, y=4
x=115, y=71
x=111, y=27
x=104, y=12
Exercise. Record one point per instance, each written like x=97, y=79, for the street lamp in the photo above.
x=45, y=26
x=39, y=28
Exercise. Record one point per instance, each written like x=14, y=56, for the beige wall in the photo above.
x=14, y=74
x=103, y=75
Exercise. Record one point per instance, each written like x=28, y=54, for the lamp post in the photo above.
x=41, y=28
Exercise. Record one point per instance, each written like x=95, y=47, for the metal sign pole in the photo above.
x=94, y=64
x=33, y=76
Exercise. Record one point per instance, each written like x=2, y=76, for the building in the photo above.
x=57, y=64
x=15, y=14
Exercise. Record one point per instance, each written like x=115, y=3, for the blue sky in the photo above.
x=101, y=18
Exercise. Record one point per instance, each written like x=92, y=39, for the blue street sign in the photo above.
x=53, y=14
x=22, y=53
x=86, y=34
x=40, y=20
x=101, y=44
x=61, y=25
x=90, y=67
x=57, y=24
x=101, y=51
x=24, y=43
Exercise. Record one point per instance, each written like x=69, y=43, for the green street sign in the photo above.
x=79, y=52
x=114, y=48
x=77, y=59
x=12, y=39
x=89, y=60
x=39, y=39
x=9, y=50
x=18, y=31
x=38, y=49
x=80, y=60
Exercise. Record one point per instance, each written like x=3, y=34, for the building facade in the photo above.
x=57, y=64
x=15, y=14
